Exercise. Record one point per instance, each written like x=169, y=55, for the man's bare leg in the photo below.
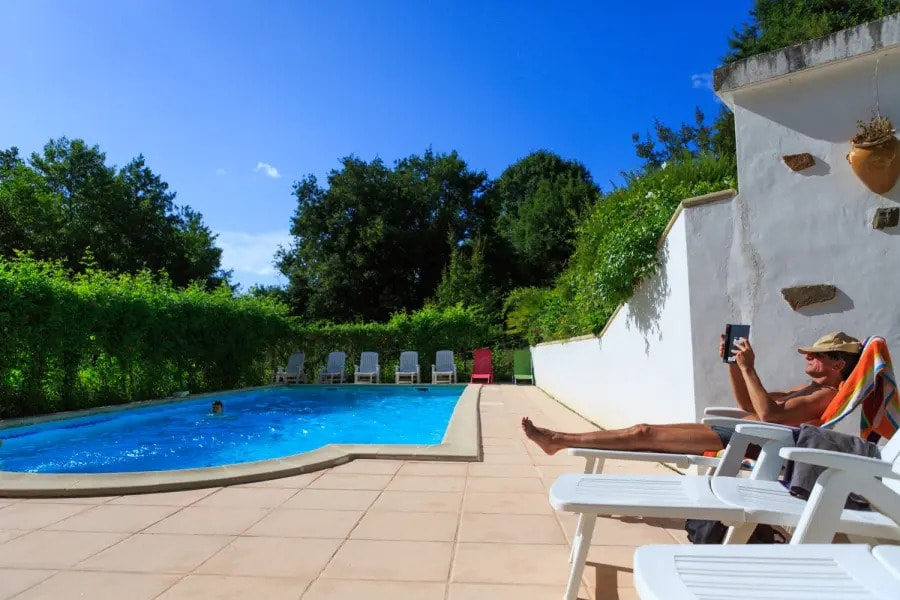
x=681, y=438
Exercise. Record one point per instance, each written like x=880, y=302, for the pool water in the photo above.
x=255, y=425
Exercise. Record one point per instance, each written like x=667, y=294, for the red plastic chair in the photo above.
x=483, y=367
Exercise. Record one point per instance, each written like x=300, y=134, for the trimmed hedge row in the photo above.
x=96, y=339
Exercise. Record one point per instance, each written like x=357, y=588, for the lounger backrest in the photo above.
x=443, y=361
x=409, y=361
x=295, y=362
x=482, y=362
x=336, y=362
x=522, y=362
x=891, y=452
x=368, y=362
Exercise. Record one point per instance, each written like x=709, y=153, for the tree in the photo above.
x=467, y=281
x=540, y=200
x=66, y=201
x=667, y=144
x=377, y=239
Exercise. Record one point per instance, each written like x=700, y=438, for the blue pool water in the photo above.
x=256, y=425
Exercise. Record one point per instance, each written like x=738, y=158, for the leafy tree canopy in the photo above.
x=540, y=200
x=378, y=238
x=65, y=202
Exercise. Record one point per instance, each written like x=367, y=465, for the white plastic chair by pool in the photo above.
x=333, y=372
x=444, y=369
x=293, y=371
x=368, y=369
x=408, y=369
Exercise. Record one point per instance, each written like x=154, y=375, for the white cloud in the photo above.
x=221, y=171
x=251, y=252
x=702, y=81
x=267, y=169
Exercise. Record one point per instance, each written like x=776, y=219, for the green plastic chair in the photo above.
x=522, y=366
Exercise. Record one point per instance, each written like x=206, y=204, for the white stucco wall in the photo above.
x=795, y=228
x=727, y=261
x=640, y=369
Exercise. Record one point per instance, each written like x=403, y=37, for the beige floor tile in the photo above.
x=291, y=522
x=505, y=484
x=510, y=503
x=552, y=473
x=54, y=549
x=483, y=470
x=115, y=517
x=391, y=560
x=182, y=498
x=416, y=483
x=410, y=526
x=513, y=529
x=512, y=458
x=272, y=557
x=434, y=468
x=419, y=501
x=295, y=482
x=609, y=567
x=219, y=587
x=11, y=534
x=332, y=499
x=485, y=591
x=624, y=531
x=369, y=467
x=13, y=581
x=350, y=481
x=100, y=586
x=236, y=497
x=34, y=515
x=344, y=589
x=157, y=553
x=537, y=564
x=209, y=520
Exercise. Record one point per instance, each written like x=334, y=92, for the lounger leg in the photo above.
x=592, y=465
x=581, y=544
x=739, y=534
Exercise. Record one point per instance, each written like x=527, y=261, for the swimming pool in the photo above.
x=259, y=424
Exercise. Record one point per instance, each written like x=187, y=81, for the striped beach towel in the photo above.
x=872, y=386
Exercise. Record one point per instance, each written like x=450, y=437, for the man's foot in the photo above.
x=544, y=438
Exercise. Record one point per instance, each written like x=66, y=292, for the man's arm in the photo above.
x=739, y=386
x=794, y=411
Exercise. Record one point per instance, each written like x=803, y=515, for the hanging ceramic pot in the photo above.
x=876, y=163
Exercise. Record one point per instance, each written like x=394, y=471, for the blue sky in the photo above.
x=231, y=102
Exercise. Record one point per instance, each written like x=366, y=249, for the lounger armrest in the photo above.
x=766, y=431
x=725, y=411
x=732, y=423
x=861, y=465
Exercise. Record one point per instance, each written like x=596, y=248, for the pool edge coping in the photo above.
x=462, y=443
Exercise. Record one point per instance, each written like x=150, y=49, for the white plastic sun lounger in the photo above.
x=333, y=372
x=408, y=369
x=743, y=503
x=444, y=369
x=795, y=572
x=293, y=372
x=368, y=368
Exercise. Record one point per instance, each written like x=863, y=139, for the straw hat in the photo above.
x=837, y=341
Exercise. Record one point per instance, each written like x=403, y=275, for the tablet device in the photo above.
x=734, y=332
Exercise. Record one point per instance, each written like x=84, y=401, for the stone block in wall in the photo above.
x=805, y=295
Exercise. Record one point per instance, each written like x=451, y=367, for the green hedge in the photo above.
x=94, y=339
x=97, y=339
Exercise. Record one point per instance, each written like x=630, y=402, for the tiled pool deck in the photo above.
x=365, y=530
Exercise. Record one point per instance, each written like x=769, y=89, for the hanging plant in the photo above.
x=875, y=154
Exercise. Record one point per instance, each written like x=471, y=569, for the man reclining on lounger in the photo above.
x=828, y=362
